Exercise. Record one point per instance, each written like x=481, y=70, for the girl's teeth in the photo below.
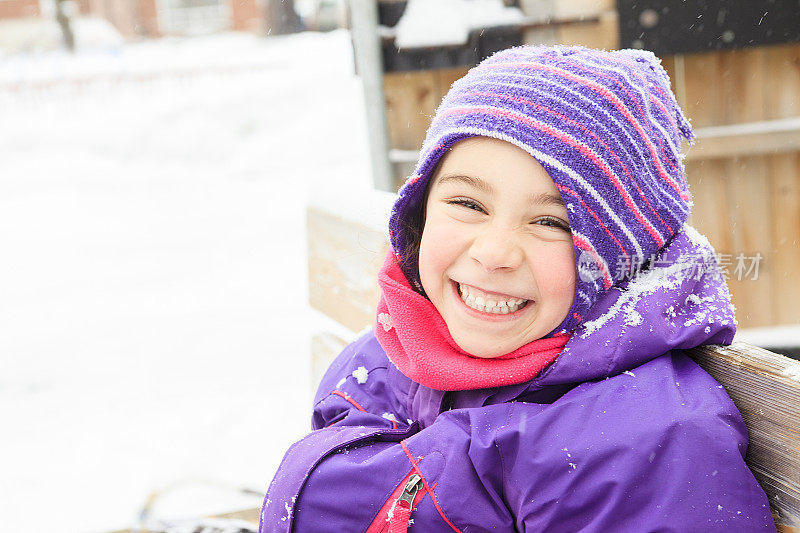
x=490, y=306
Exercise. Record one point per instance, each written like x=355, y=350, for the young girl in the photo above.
x=526, y=371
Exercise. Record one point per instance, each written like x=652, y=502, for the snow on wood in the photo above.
x=366, y=207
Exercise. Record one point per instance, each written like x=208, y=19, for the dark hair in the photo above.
x=413, y=223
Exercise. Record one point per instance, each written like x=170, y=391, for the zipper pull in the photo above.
x=409, y=493
x=400, y=513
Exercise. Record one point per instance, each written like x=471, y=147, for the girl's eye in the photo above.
x=469, y=204
x=553, y=223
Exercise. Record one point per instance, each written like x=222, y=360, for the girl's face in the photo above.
x=496, y=257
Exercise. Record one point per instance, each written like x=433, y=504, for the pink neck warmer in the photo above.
x=416, y=339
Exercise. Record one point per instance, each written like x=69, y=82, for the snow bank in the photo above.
x=156, y=335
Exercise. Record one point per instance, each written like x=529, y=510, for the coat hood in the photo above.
x=681, y=302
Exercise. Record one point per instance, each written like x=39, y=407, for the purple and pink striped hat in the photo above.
x=607, y=129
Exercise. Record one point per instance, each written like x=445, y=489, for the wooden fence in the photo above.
x=744, y=169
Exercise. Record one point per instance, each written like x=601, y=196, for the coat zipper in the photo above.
x=395, y=515
x=400, y=513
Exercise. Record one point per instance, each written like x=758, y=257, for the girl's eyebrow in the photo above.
x=543, y=198
x=469, y=180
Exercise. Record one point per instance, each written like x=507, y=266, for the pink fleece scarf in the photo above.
x=416, y=339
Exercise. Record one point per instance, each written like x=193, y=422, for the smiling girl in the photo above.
x=496, y=257
x=526, y=371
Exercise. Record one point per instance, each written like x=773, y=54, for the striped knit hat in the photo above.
x=606, y=128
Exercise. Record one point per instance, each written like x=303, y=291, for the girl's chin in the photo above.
x=484, y=348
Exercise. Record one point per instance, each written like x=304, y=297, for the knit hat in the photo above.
x=606, y=128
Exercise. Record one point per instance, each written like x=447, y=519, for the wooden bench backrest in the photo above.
x=345, y=253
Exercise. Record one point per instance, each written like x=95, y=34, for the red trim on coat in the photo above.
x=427, y=487
x=349, y=399
x=357, y=406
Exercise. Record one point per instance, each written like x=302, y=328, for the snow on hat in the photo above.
x=606, y=128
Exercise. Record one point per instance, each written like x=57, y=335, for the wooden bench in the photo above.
x=345, y=252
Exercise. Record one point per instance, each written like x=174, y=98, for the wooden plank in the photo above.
x=711, y=207
x=411, y=100
x=785, y=256
x=736, y=87
x=444, y=79
x=344, y=255
x=750, y=215
x=744, y=145
x=724, y=87
x=604, y=34
x=766, y=389
x=783, y=78
x=741, y=89
x=701, y=81
x=783, y=68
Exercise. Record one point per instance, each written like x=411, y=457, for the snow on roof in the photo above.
x=448, y=22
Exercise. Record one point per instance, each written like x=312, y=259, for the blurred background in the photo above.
x=157, y=158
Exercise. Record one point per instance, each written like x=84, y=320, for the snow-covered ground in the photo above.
x=154, y=325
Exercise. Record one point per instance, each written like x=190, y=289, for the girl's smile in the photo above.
x=489, y=303
x=496, y=257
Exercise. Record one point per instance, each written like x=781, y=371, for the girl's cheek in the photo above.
x=563, y=275
x=437, y=248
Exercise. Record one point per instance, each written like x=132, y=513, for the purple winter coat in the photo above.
x=622, y=433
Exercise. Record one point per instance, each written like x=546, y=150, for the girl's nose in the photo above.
x=495, y=248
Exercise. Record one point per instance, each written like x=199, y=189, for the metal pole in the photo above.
x=367, y=47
